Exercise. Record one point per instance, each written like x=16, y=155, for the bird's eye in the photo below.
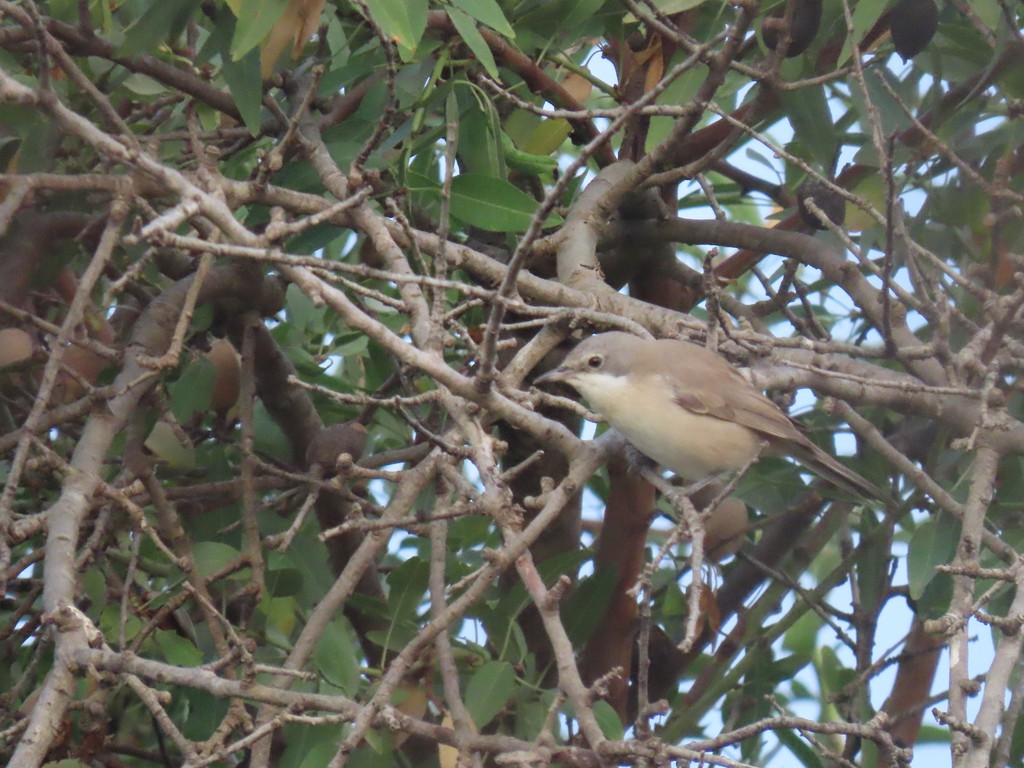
x=595, y=361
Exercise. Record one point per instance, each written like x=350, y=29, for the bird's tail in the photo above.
x=838, y=474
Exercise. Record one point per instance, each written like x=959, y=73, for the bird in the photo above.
x=688, y=409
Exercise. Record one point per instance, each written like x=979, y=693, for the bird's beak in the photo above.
x=554, y=376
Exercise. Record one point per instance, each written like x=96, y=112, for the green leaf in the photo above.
x=800, y=748
x=395, y=637
x=191, y=392
x=682, y=90
x=280, y=615
x=337, y=657
x=872, y=562
x=808, y=111
x=758, y=157
x=350, y=345
x=787, y=667
x=608, y=720
x=531, y=711
x=489, y=690
x=865, y=14
x=546, y=137
x=407, y=585
x=486, y=12
x=337, y=41
x=111, y=619
x=467, y=30
x=169, y=446
x=202, y=318
x=669, y=7
x=315, y=238
x=888, y=109
x=990, y=13
x=479, y=149
x=303, y=315
x=872, y=190
x=931, y=734
x=933, y=544
x=572, y=12
x=800, y=638
x=270, y=439
x=306, y=747
x=255, y=20
x=94, y=586
x=584, y=609
x=493, y=204
x=403, y=21
x=937, y=596
x=832, y=672
x=205, y=713
x=177, y=650
x=158, y=22
x=246, y=85
x=212, y=556
x=141, y=85
x=284, y=582
x=209, y=118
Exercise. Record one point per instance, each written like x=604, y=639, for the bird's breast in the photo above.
x=645, y=413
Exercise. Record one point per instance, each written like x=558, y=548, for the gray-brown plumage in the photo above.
x=688, y=409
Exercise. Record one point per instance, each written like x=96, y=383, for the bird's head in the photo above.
x=598, y=366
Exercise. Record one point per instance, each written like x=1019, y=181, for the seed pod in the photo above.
x=913, y=24
x=16, y=349
x=828, y=200
x=803, y=28
x=87, y=364
x=227, y=375
x=347, y=437
x=15, y=346
x=724, y=529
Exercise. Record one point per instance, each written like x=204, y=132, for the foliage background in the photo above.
x=226, y=225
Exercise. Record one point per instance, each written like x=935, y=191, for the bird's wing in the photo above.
x=751, y=409
x=724, y=394
x=708, y=386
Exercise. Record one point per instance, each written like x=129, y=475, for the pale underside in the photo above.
x=692, y=445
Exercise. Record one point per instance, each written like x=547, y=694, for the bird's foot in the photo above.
x=638, y=462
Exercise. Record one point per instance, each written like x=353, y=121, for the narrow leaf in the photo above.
x=246, y=86
x=156, y=24
x=487, y=12
x=933, y=544
x=812, y=123
x=403, y=21
x=254, y=23
x=467, y=30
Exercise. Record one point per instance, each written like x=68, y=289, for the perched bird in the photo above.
x=688, y=409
